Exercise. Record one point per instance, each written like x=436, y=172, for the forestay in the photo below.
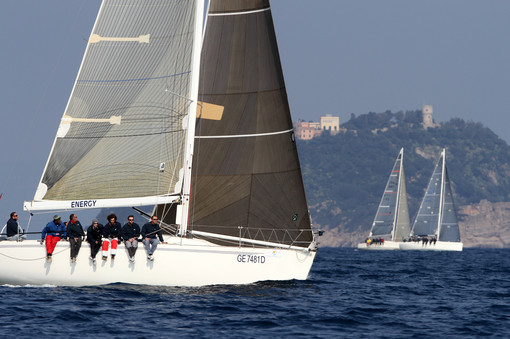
x=122, y=135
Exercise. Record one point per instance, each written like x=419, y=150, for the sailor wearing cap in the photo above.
x=52, y=233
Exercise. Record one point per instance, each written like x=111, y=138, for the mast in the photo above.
x=190, y=140
x=441, y=196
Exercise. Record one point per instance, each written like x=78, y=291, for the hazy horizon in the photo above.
x=338, y=57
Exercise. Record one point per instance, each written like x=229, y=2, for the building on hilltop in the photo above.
x=428, y=121
x=306, y=130
x=330, y=123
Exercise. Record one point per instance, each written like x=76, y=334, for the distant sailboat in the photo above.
x=435, y=227
x=391, y=223
x=196, y=125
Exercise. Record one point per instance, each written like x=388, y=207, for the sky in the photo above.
x=339, y=57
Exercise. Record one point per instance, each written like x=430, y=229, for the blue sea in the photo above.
x=349, y=294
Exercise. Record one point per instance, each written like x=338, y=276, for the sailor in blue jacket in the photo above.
x=52, y=233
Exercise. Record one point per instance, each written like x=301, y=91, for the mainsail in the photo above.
x=392, y=218
x=449, y=230
x=246, y=175
x=437, y=216
x=121, y=140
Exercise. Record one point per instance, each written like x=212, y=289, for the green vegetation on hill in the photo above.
x=345, y=174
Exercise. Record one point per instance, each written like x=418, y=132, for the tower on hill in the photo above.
x=427, y=111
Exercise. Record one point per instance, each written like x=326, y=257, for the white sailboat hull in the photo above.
x=386, y=246
x=181, y=262
x=438, y=246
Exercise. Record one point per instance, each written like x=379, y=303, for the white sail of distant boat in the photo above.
x=435, y=226
x=198, y=128
x=391, y=223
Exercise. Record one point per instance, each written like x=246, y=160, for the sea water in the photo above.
x=349, y=293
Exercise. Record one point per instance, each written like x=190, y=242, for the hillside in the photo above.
x=345, y=174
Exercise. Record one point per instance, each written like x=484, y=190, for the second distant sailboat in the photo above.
x=436, y=227
x=391, y=223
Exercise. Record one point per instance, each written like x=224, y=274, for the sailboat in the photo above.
x=391, y=223
x=195, y=125
x=435, y=227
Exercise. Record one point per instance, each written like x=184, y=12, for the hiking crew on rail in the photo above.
x=99, y=236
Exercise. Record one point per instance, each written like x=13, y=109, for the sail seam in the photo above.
x=240, y=13
x=138, y=79
x=242, y=135
x=124, y=136
x=254, y=173
x=243, y=93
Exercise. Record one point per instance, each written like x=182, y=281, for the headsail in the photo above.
x=426, y=222
x=246, y=170
x=392, y=218
x=123, y=131
x=402, y=225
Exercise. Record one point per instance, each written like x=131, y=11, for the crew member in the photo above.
x=52, y=233
x=111, y=234
x=75, y=234
x=14, y=230
x=130, y=234
x=94, y=236
x=149, y=232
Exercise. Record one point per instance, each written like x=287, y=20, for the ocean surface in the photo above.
x=349, y=294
